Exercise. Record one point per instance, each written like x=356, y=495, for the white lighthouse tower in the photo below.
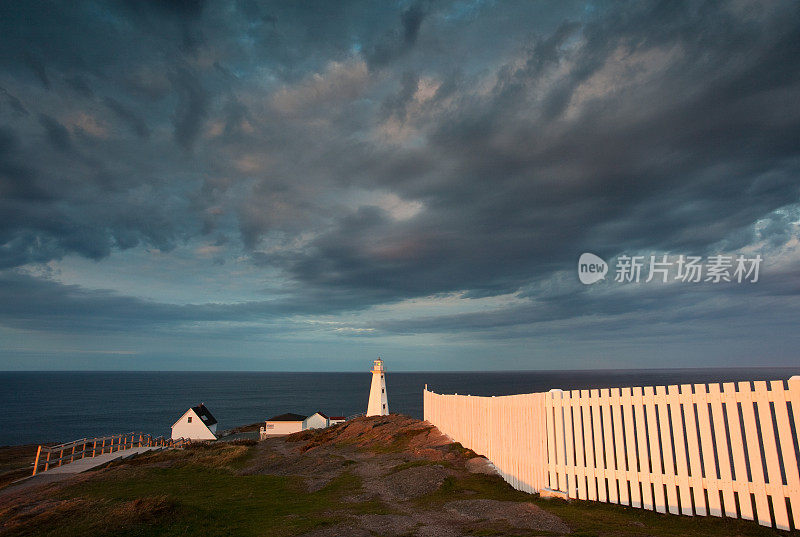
x=378, y=403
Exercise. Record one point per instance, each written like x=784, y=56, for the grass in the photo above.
x=417, y=463
x=16, y=462
x=192, y=497
x=593, y=519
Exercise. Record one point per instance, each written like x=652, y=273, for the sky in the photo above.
x=303, y=186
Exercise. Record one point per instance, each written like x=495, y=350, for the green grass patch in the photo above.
x=416, y=463
x=190, y=499
x=473, y=487
x=593, y=519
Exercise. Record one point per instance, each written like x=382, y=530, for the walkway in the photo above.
x=65, y=471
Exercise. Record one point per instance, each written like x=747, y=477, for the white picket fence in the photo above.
x=694, y=449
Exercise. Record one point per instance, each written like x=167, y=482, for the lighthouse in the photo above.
x=378, y=403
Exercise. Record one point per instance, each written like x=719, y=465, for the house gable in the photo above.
x=191, y=425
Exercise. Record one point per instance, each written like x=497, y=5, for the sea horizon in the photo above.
x=60, y=406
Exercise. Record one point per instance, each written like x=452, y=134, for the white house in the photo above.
x=317, y=420
x=335, y=420
x=283, y=424
x=197, y=423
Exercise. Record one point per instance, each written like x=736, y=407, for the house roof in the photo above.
x=321, y=414
x=337, y=418
x=288, y=417
x=205, y=415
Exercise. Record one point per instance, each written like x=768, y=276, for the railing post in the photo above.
x=60, y=457
x=36, y=462
x=94, y=447
x=72, y=454
x=47, y=462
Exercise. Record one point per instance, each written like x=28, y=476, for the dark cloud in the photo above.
x=57, y=135
x=134, y=122
x=399, y=41
x=80, y=85
x=15, y=104
x=37, y=66
x=191, y=110
x=365, y=154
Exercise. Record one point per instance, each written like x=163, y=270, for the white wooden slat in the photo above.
x=709, y=454
x=608, y=436
x=558, y=409
x=695, y=464
x=586, y=411
x=628, y=426
x=569, y=449
x=731, y=400
x=599, y=447
x=619, y=445
x=551, y=442
x=637, y=402
x=679, y=438
x=666, y=450
x=720, y=434
x=754, y=454
x=659, y=501
x=580, y=461
x=787, y=443
x=774, y=480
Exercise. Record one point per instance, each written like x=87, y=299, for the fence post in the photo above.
x=36, y=462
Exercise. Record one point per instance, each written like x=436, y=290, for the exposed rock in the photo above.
x=481, y=465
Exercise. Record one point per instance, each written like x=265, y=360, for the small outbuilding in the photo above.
x=335, y=420
x=197, y=423
x=318, y=420
x=283, y=424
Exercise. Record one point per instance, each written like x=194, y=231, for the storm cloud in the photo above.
x=409, y=174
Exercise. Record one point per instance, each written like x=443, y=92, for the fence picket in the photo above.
x=787, y=442
x=645, y=475
x=588, y=453
x=741, y=481
x=709, y=455
x=754, y=453
x=569, y=446
x=628, y=426
x=694, y=456
x=774, y=482
x=601, y=470
x=580, y=443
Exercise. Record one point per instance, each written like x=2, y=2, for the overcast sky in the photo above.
x=306, y=185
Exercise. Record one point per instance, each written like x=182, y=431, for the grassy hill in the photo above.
x=388, y=475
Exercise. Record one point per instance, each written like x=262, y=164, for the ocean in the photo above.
x=62, y=406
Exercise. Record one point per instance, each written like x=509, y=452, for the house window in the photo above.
x=190, y=419
x=383, y=390
x=384, y=407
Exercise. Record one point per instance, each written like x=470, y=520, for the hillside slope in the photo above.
x=388, y=475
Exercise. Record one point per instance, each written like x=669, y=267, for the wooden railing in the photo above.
x=92, y=447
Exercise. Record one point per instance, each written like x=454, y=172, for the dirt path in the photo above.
x=401, y=463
